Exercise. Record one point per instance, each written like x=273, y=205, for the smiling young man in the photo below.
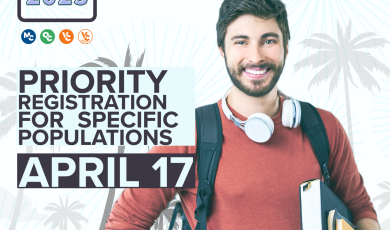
x=256, y=185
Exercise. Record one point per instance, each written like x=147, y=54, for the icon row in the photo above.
x=48, y=36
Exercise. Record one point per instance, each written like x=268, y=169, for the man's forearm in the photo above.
x=367, y=224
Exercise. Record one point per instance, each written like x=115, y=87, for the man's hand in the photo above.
x=367, y=224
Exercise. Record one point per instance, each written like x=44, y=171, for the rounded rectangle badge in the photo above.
x=57, y=10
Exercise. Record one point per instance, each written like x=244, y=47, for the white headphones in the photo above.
x=259, y=126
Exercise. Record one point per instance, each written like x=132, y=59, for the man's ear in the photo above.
x=221, y=52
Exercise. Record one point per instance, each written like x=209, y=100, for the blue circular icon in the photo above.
x=28, y=36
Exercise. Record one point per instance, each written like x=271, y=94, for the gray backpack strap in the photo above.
x=208, y=152
x=314, y=128
x=209, y=146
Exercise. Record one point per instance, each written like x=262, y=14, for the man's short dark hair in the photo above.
x=266, y=9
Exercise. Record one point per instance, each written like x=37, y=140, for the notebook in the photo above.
x=317, y=200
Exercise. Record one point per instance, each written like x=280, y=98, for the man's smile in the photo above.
x=255, y=72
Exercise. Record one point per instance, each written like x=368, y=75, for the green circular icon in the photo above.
x=47, y=36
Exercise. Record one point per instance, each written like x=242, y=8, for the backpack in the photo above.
x=208, y=151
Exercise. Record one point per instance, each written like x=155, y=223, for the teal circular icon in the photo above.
x=47, y=36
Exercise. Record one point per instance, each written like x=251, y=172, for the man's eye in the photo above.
x=240, y=43
x=269, y=41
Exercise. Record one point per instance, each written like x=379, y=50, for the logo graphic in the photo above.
x=62, y=3
x=85, y=36
x=47, y=36
x=66, y=36
x=28, y=36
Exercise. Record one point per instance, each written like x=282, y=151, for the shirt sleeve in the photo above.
x=138, y=208
x=345, y=179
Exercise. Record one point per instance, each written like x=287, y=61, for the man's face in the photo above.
x=254, y=54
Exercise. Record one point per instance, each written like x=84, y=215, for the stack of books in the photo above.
x=321, y=209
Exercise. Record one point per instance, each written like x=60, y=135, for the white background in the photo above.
x=182, y=33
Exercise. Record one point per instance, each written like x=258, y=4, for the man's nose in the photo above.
x=256, y=55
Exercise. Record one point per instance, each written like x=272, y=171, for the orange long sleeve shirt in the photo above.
x=257, y=185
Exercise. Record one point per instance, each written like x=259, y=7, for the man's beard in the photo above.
x=257, y=89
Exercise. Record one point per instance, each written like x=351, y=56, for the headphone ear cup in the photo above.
x=288, y=114
x=259, y=127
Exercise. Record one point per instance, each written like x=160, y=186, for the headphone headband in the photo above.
x=259, y=126
x=226, y=109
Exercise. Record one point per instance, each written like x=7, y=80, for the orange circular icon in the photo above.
x=66, y=36
x=85, y=36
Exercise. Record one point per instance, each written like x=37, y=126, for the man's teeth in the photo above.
x=256, y=71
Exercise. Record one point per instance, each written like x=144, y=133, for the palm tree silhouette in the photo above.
x=64, y=212
x=101, y=62
x=341, y=55
x=8, y=109
x=384, y=197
